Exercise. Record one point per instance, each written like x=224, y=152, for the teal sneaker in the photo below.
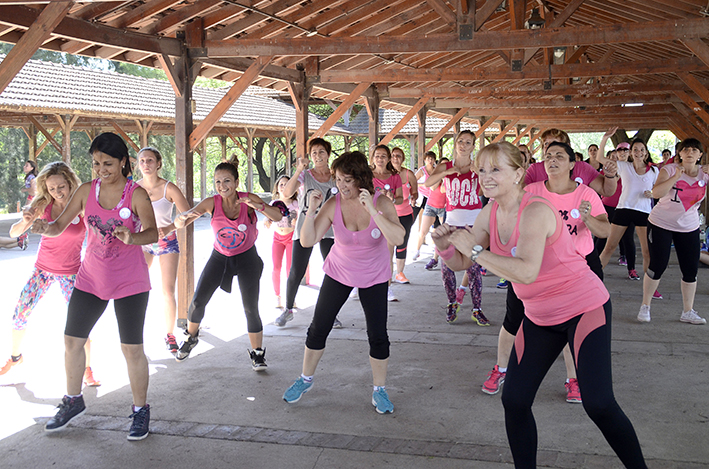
x=380, y=400
x=296, y=390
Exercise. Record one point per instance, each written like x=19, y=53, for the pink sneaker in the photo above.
x=657, y=295
x=573, y=393
x=459, y=295
x=494, y=380
x=633, y=274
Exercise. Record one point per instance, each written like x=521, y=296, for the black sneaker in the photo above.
x=186, y=347
x=69, y=408
x=139, y=429
x=258, y=359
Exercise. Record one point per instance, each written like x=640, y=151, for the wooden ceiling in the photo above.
x=576, y=72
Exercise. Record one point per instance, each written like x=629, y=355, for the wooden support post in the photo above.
x=185, y=181
x=222, y=144
x=421, y=115
x=250, y=159
x=372, y=105
x=272, y=155
x=203, y=171
x=66, y=140
x=32, y=142
x=288, y=139
x=348, y=142
x=300, y=94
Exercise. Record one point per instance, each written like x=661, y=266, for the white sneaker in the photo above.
x=692, y=317
x=644, y=314
x=391, y=296
x=354, y=294
x=417, y=254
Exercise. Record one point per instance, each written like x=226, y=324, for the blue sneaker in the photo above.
x=69, y=408
x=380, y=400
x=140, y=427
x=296, y=390
x=502, y=284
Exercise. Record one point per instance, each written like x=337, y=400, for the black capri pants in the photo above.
x=660, y=245
x=333, y=295
x=406, y=221
x=219, y=272
x=299, y=264
x=85, y=309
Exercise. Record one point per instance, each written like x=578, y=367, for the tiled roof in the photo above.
x=42, y=87
x=388, y=118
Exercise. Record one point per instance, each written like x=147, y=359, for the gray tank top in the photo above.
x=308, y=184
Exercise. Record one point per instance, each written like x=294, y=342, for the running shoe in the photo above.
x=692, y=317
x=494, y=380
x=381, y=402
x=452, y=312
x=401, y=278
x=23, y=241
x=296, y=390
x=284, y=318
x=10, y=363
x=657, y=295
x=171, y=343
x=69, y=408
x=644, y=314
x=459, y=295
x=432, y=264
x=258, y=359
x=633, y=274
x=622, y=261
x=502, y=283
x=354, y=294
x=186, y=347
x=483, y=271
x=140, y=428
x=573, y=393
x=479, y=317
x=416, y=255
x=391, y=296
x=279, y=304
x=337, y=324
x=89, y=379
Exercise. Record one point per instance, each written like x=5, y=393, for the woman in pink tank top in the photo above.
x=119, y=219
x=58, y=259
x=363, y=226
x=564, y=302
x=405, y=211
x=234, y=224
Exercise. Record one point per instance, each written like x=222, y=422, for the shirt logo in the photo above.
x=229, y=238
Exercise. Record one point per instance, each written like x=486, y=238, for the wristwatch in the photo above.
x=477, y=249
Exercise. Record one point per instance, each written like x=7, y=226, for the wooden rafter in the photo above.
x=695, y=85
x=125, y=135
x=693, y=105
x=557, y=23
x=341, y=109
x=441, y=7
x=505, y=131
x=485, y=126
x=49, y=136
x=441, y=133
x=172, y=76
x=404, y=120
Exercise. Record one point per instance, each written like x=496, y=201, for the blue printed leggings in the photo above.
x=34, y=290
x=476, y=283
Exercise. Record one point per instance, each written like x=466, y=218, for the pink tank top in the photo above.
x=462, y=191
x=405, y=207
x=423, y=190
x=437, y=199
x=62, y=255
x=232, y=237
x=358, y=258
x=111, y=269
x=565, y=286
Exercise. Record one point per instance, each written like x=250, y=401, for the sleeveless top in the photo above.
x=292, y=211
x=61, y=255
x=462, y=201
x=423, y=190
x=163, y=209
x=308, y=183
x=111, y=269
x=358, y=258
x=405, y=207
x=232, y=237
x=565, y=286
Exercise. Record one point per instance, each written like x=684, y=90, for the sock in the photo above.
x=502, y=370
x=16, y=358
x=307, y=379
x=137, y=408
x=74, y=397
x=463, y=288
x=377, y=388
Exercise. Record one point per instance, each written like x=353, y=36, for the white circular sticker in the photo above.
x=701, y=183
x=124, y=213
x=387, y=186
x=75, y=221
x=575, y=213
x=513, y=251
x=334, y=191
x=376, y=233
x=242, y=227
x=579, y=180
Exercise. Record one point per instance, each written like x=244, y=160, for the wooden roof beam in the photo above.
x=341, y=109
x=403, y=121
x=557, y=102
x=38, y=32
x=558, y=21
x=485, y=126
x=125, y=135
x=172, y=75
x=484, y=13
x=441, y=133
x=698, y=47
x=504, y=131
x=441, y=7
x=49, y=136
x=693, y=105
x=695, y=85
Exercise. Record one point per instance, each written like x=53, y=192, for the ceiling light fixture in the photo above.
x=311, y=33
x=633, y=104
x=535, y=20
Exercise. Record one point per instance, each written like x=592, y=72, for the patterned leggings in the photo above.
x=36, y=287
x=475, y=279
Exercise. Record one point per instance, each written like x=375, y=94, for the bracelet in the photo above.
x=308, y=215
x=447, y=253
x=263, y=207
x=379, y=212
x=611, y=177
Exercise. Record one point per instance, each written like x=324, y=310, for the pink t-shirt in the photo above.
x=677, y=211
x=111, y=269
x=565, y=286
x=568, y=207
x=583, y=173
x=62, y=255
x=358, y=258
x=232, y=237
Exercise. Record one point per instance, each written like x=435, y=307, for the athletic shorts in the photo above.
x=166, y=245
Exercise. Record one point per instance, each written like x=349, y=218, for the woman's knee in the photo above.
x=379, y=347
x=74, y=344
x=133, y=352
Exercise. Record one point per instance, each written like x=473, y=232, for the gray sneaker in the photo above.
x=692, y=317
x=284, y=318
x=644, y=314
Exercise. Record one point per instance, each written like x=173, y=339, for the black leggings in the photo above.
x=406, y=221
x=660, y=245
x=627, y=242
x=299, y=264
x=535, y=350
x=219, y=271
x=333, y=295
x=85, y=309
x=419, y=208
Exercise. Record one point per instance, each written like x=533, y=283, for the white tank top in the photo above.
x=163, y=209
